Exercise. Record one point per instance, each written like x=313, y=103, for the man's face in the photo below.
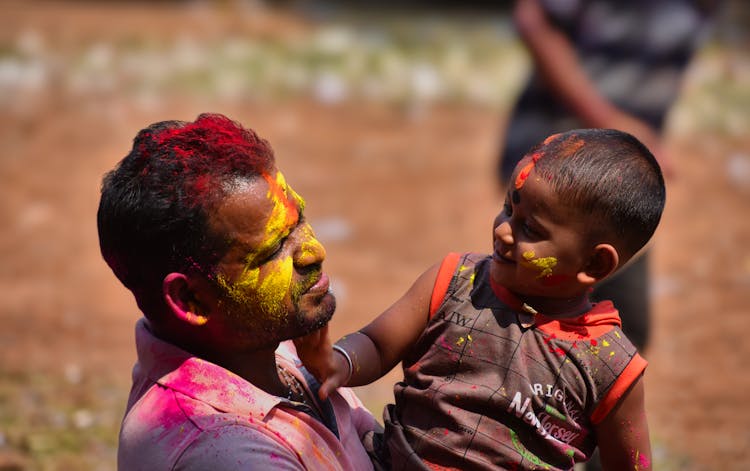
x=270, y=282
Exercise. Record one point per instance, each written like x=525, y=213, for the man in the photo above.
x=199, y=224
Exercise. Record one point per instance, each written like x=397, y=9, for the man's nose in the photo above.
x=309, y=251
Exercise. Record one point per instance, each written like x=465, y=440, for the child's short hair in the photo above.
x=610, y=175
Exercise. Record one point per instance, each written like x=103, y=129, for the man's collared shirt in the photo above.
x=188, y=413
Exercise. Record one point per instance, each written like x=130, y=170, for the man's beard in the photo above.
x=323, y=312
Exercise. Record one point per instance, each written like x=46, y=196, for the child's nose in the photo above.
x=504, y=233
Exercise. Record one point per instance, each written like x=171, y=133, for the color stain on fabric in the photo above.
x=554, y=412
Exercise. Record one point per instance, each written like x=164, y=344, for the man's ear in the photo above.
x=181, y=299
x=603, y=261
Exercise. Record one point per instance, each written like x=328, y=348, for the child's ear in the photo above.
x=181, y=300
x=602, y=263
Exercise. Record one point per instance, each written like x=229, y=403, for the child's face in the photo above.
x=539, y=243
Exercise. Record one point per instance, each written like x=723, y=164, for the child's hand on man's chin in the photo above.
x=316, y=352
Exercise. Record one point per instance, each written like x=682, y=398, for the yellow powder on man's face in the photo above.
x=267, y=286
x=284, y=212
x=311, y=250
x=544, y=264
x=266, y=291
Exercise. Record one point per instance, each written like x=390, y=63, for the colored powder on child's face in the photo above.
x=554, y=280
x=524, y=173
x=571, y=146
x=267, y=285
x=543, y=264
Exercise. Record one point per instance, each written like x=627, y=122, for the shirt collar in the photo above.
x=600, y=319
x=174, y=368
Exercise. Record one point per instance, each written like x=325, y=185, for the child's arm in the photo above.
x=375, y=349
x=623, y=435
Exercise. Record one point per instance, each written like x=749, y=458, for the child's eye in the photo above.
x=529, y=231
x=508, y=209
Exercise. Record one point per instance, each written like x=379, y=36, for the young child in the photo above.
x=507, y=363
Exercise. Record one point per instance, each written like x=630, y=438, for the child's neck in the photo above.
x=558, y=307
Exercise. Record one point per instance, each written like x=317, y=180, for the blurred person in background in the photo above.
x=201, y=226
x=610, y=64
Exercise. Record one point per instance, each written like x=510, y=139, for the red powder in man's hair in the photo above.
x=212, y=146
x=214, y=137
x=202, y=184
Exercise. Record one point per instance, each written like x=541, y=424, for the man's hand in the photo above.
x=316, y=352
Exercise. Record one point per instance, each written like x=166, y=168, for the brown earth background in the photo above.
x=388, y=124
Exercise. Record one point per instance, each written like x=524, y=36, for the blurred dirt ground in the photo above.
x=389, y=127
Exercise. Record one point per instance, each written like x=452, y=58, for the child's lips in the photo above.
x=499, y=258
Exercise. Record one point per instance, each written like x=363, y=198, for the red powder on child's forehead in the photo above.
x=526, y=170
x=565, y=149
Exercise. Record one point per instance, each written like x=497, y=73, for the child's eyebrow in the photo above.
x=515, y=196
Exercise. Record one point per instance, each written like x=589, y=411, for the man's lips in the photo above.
x=321, y=286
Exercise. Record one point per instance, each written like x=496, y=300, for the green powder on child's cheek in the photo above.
x=544, y=264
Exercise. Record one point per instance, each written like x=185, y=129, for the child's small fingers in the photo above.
x=323, y=392
x=329, y=386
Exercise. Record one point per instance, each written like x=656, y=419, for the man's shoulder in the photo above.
x=163, y=425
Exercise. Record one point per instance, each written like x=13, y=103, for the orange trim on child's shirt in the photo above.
x=596, y=322
x=444, y=277
x=628, y=377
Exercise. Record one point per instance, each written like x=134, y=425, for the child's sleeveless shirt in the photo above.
x=490, y=386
